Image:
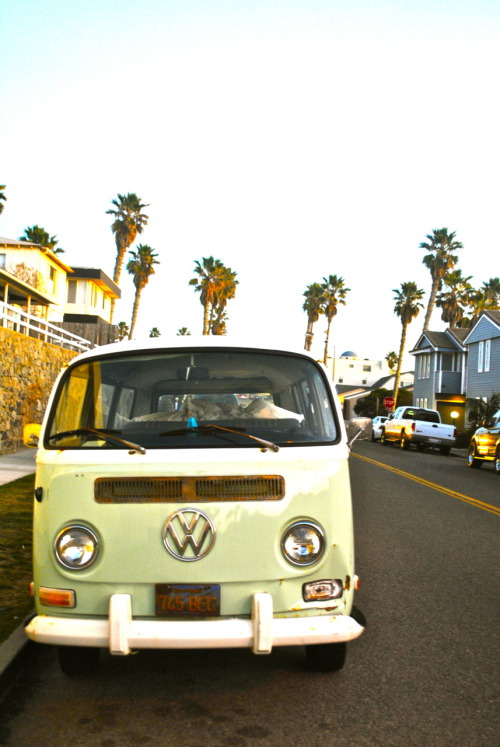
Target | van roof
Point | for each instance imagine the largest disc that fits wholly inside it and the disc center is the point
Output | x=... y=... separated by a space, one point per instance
x=184 y=342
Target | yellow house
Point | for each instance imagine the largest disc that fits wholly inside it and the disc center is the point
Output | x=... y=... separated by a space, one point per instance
x=39 y=268
x=77 y=299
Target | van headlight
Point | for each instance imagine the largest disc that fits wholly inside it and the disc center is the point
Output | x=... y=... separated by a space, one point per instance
x=303 y=543
x=76 y=547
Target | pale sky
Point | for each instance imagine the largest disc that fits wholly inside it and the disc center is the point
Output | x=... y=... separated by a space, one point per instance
x=291 y=139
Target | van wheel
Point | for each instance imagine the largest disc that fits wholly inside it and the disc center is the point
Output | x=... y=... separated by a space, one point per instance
x=472 y=460
x=76 y=660
x=496 y=463
x=326 y=657
x=404 y=443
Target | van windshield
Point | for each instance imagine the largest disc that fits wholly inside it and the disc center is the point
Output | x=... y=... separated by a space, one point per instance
x=167 y=399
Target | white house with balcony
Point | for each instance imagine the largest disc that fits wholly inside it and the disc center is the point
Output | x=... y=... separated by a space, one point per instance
x=36 y=285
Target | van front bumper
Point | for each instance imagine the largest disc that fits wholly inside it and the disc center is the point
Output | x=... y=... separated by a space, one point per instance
x=122 y=634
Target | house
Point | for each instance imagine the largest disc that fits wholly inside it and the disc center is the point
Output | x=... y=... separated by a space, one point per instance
x=483 y=360
x=87 y=311
x=440 y=373
x=350 y=369
x=36 y=281
x=40 y=269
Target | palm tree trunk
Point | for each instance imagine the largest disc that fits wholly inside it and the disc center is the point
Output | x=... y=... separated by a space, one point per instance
x=327 y=341
x=431 y=304
x=206 y=317
x=135 y=311
x=309 y=336
x=400 y=363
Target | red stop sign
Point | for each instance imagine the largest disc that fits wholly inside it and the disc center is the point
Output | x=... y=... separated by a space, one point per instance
x=388 y=402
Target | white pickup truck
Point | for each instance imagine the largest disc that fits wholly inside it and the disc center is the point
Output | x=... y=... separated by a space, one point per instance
x=419 y=426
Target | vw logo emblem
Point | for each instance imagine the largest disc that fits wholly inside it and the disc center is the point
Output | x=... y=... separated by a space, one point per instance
x=188 y=534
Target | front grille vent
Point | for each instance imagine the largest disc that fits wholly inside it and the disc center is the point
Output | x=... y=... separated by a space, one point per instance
x=190 y=489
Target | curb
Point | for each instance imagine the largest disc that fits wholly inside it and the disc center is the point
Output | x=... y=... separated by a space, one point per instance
x=13 y=653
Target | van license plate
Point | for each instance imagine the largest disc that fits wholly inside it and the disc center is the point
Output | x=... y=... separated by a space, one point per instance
x=187 y=600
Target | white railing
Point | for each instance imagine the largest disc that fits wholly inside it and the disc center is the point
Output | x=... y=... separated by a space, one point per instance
x=14 y=318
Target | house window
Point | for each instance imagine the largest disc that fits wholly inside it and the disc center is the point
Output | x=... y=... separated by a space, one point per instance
x=3 y=258
x=52 y=280
x=367 y=368
x=425 y=366
x=77 y=291
x=480 y=357
x=487 y=354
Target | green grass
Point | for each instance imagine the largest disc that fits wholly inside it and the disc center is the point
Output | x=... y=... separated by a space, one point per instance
x=16 y=517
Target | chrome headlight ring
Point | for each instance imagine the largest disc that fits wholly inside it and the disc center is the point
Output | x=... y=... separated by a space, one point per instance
x=76 y=547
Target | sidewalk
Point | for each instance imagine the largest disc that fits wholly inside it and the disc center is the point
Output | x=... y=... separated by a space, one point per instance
x=16 y=465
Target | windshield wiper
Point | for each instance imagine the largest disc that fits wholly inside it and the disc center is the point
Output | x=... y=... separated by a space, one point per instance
x=102 y=435
x=215 y=428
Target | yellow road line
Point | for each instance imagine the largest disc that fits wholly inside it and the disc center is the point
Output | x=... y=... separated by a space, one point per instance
x=453 y=493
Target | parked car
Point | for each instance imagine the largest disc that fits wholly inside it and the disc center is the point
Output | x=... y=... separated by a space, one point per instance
x=377 y=423
x=485 y=444
x=419 y=426
x=181 y=518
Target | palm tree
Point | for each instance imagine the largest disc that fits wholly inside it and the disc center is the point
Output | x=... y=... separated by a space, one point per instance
x=225 y=291
x=216 y=285
x=129 y=221
x=454 y=298
x=334 y=293
x=206 y=284
x=141 y=266
x=314 y=306
x=183 y=331
x=155 y=332
x=2 y=197
x=486 y=298
x=440 y=260
x=38 y=235
x=407 y=307
x=392 y=360
x=480 y=410
x=123 y=329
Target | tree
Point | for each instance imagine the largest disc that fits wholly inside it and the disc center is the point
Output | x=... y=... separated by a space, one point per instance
x=440 y=260
x=480 y=410
x=123 y=330
x=141 y=267
x=155 y=332
x=407 y=307
x=216 y=285
x=183 y=331
x=486 y=298
x=454 y=298
x=38 y=235
x=129 y=221
x=392 y=360
x=225 y=291
x=372 y=404
x=3 y=198
x=334 y=294
x=314 y=306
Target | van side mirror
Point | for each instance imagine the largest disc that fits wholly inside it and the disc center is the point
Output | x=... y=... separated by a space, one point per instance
x=31 y=434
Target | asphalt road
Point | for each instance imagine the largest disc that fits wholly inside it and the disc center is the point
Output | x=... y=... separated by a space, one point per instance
x=425 y=672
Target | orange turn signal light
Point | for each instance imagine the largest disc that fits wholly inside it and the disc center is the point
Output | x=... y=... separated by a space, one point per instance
x=56 y=597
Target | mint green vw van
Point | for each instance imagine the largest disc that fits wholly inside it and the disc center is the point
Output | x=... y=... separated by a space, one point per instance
x=193 y=495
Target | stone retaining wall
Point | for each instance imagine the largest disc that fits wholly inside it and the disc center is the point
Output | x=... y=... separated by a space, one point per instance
x=28 y=369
